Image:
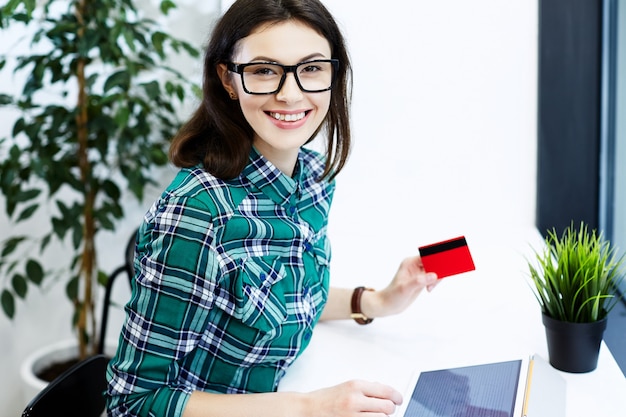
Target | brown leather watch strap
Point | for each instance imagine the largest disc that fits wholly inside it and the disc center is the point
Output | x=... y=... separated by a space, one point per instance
x=357 y=314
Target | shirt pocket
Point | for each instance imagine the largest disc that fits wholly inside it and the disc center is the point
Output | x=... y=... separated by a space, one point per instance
x=317 y=284
x=260 y=300
x=322 y=255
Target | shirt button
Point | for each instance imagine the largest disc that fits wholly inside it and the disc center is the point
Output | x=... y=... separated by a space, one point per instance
x=307 y=246
x=292 y=209
x=307 y=336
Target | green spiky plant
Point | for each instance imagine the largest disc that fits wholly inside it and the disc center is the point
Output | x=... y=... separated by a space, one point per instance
x=575 y=275
x=96 y=110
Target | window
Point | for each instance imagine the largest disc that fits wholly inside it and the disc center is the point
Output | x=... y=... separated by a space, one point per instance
x=613 y=126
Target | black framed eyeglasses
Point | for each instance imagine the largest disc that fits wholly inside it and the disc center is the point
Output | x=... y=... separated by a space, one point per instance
x=313 y=76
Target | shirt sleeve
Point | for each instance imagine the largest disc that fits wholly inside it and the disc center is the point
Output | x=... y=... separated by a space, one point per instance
x=172 y=294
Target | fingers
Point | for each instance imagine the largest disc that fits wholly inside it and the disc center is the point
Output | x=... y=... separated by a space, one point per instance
x=430 y=281
x=415 y=267
x=430 y=278
x=381 y=391
x=357 y=398
x=377 y=398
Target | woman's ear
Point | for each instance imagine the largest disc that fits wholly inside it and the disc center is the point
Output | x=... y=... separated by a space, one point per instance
x=227 y=80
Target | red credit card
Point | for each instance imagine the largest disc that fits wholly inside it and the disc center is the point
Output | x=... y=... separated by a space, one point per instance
x=446 y=258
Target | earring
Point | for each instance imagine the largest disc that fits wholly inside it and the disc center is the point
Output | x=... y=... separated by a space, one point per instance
x=232 y=95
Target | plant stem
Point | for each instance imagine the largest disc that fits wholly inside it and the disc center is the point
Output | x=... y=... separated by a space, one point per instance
x=87 y=263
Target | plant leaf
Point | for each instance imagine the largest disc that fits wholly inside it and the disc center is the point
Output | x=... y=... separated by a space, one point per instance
x=11 y=244
x=5 y=99
x=20 y=286
x=119 y=79
x=167 y=5
x=27 y=212
x=102 y=278
x=72 y=288
x=8 y=303
x=34 y=272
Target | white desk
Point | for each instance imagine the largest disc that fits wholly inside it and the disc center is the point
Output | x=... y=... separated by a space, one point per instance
x=479 y=317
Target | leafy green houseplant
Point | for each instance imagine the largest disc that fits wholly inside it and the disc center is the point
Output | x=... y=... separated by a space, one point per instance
x=576 y=275
x=574 y=278
x=97 y=107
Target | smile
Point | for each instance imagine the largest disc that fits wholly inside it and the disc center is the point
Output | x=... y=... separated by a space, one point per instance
x=288 y=117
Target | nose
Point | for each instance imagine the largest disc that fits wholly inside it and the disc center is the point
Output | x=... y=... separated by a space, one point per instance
x=290 y=91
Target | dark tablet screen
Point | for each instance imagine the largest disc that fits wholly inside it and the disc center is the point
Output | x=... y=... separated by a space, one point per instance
x=486 y=390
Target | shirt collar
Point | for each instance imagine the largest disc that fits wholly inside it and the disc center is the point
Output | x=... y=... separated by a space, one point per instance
x=270 y=180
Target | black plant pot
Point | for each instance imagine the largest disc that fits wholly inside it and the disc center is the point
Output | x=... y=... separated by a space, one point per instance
x=574 y=347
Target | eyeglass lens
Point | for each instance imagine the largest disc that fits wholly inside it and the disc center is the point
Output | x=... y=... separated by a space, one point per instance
x=266 y=77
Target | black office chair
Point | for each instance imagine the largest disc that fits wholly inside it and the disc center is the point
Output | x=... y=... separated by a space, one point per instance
x=79 y=391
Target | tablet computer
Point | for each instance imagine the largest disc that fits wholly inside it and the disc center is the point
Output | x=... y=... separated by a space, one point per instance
x=485 y=390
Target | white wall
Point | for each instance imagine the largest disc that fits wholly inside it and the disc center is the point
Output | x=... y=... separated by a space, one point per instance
x=445 y=127
x=444 y=118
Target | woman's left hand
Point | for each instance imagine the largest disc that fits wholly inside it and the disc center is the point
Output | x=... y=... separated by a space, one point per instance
x=406 y=285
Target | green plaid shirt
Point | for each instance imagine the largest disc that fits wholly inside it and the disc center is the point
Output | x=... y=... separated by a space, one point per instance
x=231 y=277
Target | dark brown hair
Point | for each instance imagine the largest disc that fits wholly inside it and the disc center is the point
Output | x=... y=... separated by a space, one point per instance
x=218 y=135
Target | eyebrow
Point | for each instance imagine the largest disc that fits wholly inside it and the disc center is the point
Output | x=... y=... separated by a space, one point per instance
x=304 y=59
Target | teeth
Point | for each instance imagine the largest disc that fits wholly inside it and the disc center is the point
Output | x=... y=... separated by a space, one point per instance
x=288 y=117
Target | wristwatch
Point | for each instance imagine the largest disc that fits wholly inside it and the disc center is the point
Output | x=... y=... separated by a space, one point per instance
x=357 y=314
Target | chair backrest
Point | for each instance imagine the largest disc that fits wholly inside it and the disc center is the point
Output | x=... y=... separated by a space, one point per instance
x=78 y=392
x=126 y=268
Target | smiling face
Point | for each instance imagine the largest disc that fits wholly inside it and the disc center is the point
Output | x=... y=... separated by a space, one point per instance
x=284 y=121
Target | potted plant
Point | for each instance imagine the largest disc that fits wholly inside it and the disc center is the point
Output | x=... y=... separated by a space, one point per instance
x=96 y=110
x=574 y=278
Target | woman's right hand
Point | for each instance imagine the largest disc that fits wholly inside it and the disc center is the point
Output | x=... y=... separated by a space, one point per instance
x=349 y=399
x=354 y=398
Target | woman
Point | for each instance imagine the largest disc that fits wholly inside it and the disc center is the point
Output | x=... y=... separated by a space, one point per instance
x=232 y=262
